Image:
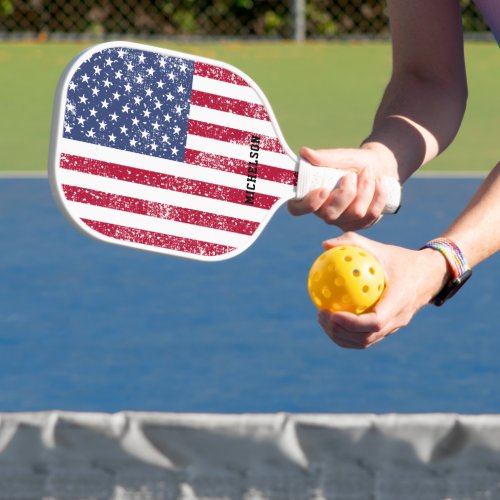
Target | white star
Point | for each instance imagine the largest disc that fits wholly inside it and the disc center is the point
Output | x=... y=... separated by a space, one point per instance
x=114 y=117
x=149 y=92
x=85 y=78
x=147 y=113
x=102 y=125
x=80 y=120
x=154 y=147
x=68 y=128
x=130 y=66
x=171 y=76
x=112 y=138
x=83 y=99
x=142 y=58
x=109 y=62
x=128 y=87
x=97 y=70
x=156 y=126
x=125 y=108
x=91 y=133
x=95 y=91
x=165 y=138
x=121 y=53
x=144 y=134
x=139 y=79
x=118 y=74
x=123 y=130
x=158 y=105
x=160 y=84
x=93 y=112
x=135 y=121
x=137 y=99
x=116 y=96
x=183 y=67
x=105 y=104
x=176 y=129
x=107 y=83
x=169 y=96
x=150 y=71
x=174 y=151
x=167 y=117
x=180 y=89
x=70 y=107
x=163 y=62
x=72 y=85
x=178 y=109
x=133 y=142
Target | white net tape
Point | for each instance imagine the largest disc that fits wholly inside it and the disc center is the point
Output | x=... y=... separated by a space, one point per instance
x=160 y=456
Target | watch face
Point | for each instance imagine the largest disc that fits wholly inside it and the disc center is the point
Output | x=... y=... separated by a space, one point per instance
x=451 y=288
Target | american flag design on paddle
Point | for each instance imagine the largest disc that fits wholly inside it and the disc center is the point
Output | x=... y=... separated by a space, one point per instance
x=166 y=153
x=173 y=153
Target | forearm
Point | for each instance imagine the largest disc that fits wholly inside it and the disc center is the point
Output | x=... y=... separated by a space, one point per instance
x=415 y=122
x=424 y=102
x=477 y=230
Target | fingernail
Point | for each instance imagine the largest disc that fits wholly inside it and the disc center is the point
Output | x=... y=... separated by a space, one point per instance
x=323 y=194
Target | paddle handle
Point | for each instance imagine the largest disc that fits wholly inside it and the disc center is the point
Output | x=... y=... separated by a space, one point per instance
x=312 y=177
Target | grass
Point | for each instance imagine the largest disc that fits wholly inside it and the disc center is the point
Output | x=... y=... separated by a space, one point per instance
x=324 y=95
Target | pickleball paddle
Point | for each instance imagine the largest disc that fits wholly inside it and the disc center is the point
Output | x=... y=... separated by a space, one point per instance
x=172 y=153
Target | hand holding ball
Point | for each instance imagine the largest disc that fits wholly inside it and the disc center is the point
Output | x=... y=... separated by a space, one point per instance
x=346 y=278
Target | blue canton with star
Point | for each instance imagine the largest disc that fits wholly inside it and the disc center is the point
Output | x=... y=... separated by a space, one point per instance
x=131 y=100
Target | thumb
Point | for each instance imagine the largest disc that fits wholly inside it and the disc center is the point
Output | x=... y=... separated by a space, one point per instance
x=353 y=159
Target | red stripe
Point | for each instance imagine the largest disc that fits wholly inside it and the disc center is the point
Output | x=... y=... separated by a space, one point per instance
x=159 y=210
x=229 y=105
x=240 y=167
x=163 y=181
x=233 y=135
x=157 y=240
x=218 y=73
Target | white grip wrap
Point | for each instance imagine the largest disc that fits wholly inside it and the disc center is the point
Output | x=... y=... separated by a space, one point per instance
x=312 y=177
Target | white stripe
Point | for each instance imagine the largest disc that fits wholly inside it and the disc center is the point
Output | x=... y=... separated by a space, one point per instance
x=226 y=89
x=240 y=152
x=232 y=120
x=194 y=172
x=159 y=195
x=162 y=226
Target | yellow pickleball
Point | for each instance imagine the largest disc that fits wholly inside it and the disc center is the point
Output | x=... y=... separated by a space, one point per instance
x=346 y=278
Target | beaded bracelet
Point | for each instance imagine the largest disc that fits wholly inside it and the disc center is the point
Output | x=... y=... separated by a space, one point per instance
x=460 y=269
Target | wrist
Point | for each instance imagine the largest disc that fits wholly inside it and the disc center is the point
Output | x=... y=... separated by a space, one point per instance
x=388 y=165
x=437 y=273
x=457 y=265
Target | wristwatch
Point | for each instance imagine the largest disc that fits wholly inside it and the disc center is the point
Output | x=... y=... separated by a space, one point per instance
x=459 y=267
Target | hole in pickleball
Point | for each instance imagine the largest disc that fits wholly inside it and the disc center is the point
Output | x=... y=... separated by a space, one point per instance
x=339 y=281
x=317 y=276
x=372 y=270
x=327 y=293
x=363 y=254
x=356 y=273
x=348 y=258
x=366 y=289
x=346 y=299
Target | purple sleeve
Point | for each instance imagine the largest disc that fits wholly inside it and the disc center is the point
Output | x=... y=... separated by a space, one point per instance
x=490 y=9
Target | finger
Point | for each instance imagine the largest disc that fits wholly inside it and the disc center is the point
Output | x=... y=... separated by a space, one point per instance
x=364 y=195
x=340 y=335
x=339 y=199
x=310 y=203
x=353 y=159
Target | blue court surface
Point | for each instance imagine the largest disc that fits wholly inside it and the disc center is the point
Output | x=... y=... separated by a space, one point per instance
x=87 y=326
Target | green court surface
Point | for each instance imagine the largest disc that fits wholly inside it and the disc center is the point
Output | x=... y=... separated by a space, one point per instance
x=324 y=95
